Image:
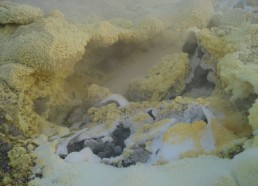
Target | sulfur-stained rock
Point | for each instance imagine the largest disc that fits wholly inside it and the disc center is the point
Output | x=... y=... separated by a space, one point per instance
x=55 y=50
x=93 y=95
x=21 y=162
x=19 y=158
x=108 y=114
x=163 y=81
x=49 y=48
x=235 y=53
x=53 y=71
x=13 y=74
x=246 y=72
x=210 y=42
x=14 y=13
x=37 y=57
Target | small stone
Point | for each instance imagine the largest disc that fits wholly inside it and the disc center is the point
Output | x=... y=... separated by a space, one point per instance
x=95 y=145
x=115 y=140
x=107 y=149
x=75 y=147
x=118 y=150
x=101 y=154
x=112 y=145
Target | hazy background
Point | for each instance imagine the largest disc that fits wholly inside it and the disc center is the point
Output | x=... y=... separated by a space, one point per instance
x=84 y=10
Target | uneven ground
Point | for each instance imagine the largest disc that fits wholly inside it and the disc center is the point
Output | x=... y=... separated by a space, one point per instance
x=117 y=92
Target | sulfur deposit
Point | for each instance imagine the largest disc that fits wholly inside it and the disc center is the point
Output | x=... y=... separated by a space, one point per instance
x=147 y=92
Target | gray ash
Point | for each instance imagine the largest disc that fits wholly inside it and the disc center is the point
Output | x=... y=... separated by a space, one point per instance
x=104 y=149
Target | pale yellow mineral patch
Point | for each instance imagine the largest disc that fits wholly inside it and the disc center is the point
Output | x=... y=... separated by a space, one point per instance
x=216 y=46
x=37 y=57
x=94 y=94
x=236 y=57
x=182 y=131
x=222 y=135
x=33 y=59
x=15 y=73
x=107 y=114
x=105 y=33
x=147 y=132
x=238 y=70
x=14 y=13
x=49 y=48
x=20 y=160
x=167 y=75
x=235 y=51
x=235 y=121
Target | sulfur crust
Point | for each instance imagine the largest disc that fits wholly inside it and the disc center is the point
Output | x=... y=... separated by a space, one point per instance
x=168 y=74
x=177 y=133
x=222 y=135
x=37 y=57
x=107 y=114
x=94 y=94
x=234 y=48
x=36 y=60
x=235 y=121
x=105 y=33
x=216 y=46
x=180 y=132
x=198 y=14
x=14 y=73
x=49 y=47
x=14 y=13
x=20 y=160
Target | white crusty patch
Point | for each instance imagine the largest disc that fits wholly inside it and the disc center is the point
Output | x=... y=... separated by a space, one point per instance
x=116 y=98
x=207 y=140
